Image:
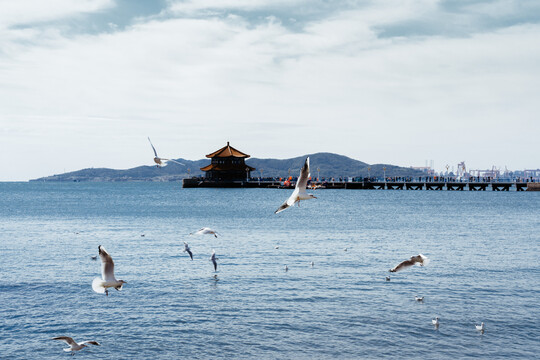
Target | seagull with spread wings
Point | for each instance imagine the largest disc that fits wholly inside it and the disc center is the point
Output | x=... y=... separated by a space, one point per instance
x=299 y=192
x=73 y=346
x=205 y=231
x=213 y=258
x=188 y=250
x=418 y=259
x=159 y=160
x=107 y=274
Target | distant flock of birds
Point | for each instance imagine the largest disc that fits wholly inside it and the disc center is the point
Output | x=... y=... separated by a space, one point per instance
x=108 y=279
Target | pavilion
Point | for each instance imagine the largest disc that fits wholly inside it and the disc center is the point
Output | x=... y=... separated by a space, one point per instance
x=227 y=164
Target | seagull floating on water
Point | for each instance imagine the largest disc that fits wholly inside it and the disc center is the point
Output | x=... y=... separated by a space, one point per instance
x=158 y=160
x=93 y=258
x=205 y=231
x=435 y=321
x=418 y=259
x=188 y=250
x=73 y=346
x=419 y=299
x=299 y=192
x=388 y=278
x=312 y=264
x=480 y=328
x=213 y=258
x=107 y=274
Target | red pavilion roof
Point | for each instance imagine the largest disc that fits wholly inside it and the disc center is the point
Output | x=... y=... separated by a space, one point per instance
x=227 y=151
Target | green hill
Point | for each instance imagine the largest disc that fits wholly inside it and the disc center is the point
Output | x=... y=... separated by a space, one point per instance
x=329 y=165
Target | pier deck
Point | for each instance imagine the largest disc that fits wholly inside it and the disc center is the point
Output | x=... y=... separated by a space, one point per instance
x=368 y=185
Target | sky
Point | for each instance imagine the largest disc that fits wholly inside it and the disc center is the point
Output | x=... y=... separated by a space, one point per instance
x=83 y=83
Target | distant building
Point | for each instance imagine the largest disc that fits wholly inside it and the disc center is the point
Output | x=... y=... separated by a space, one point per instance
x=227 y=164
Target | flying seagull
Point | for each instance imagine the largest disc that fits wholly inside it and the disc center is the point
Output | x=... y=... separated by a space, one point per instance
x=73 y=346
x=480 y=328
x=159 y=160
x=107 y=274
x=213 y=258
x=188 y=250
x=299 y=192
x=205 y=231
x=418 y=259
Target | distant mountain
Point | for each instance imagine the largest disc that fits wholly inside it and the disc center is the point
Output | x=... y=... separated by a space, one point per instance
x=330 y=165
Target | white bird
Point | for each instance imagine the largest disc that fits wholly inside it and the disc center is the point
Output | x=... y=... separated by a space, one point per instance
x=418 y=259
x=107 y=274
x=73 y=346
x=159 y=160
x=213 y=258
x=276 y=247
x=299 y=192
x=312 y=264
x=435 y=321
x=205 y=231
x=188 y=250
x=419 y=299
x=480 y=328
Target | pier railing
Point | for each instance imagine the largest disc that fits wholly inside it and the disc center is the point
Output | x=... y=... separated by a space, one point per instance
x=368 y=184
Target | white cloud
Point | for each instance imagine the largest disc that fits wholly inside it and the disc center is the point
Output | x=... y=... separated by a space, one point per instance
x=25 y=12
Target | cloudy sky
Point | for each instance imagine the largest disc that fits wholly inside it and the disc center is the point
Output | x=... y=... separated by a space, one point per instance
x=84 y=82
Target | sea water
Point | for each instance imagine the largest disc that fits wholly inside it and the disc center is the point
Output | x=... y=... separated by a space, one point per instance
x=484 y=249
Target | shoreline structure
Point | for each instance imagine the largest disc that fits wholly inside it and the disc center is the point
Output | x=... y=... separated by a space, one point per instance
x=368 y=185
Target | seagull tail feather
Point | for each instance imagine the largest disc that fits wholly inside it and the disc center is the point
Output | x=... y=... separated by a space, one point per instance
x=97 y=286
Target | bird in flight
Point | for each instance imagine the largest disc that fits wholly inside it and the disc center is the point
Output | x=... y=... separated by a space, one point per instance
x=205 y=231
x=188 y=250
x=213 y=258
x=159 y=160
x=418 y=259
x=107 y=274
x=73 y=346
x=299 y=192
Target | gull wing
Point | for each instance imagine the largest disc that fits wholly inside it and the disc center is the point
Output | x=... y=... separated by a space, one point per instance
x=66 y=339
x=304 y=176
x=153 y=148
x=107 y=264
x=90 y=342
x=289 y=202
x=174 y=161
x=403 y=265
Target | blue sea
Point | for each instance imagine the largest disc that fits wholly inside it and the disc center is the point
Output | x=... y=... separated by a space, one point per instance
x=484 y=249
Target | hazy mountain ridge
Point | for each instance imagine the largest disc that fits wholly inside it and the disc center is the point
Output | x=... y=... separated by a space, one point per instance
x=330 y=165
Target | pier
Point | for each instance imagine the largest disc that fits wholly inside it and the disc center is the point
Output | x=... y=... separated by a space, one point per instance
x=369 y=185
